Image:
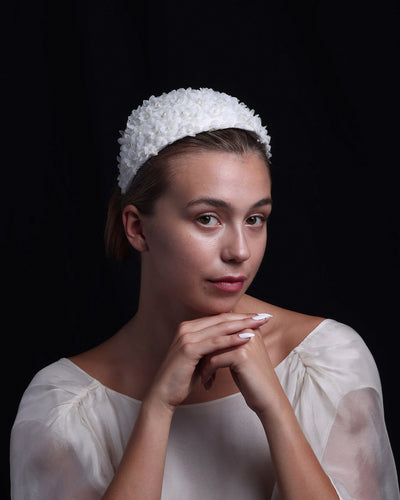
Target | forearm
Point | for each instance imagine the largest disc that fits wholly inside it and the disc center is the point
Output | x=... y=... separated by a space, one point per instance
x=140 y=473
x=299 y=473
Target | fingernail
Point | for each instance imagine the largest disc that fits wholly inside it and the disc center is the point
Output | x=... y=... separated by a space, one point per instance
x=246 y=335
x=261 y=316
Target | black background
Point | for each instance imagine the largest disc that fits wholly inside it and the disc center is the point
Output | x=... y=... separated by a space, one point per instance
x=322 y=75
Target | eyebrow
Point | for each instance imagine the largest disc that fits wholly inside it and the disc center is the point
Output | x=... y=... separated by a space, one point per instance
x=217 y=203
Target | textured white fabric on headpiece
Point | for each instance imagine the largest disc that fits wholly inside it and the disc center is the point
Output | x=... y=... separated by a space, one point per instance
x=162 y=120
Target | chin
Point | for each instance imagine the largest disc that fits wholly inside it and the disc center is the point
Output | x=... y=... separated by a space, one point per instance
x=215 y=306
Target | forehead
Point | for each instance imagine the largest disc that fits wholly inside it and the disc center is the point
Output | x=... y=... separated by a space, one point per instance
x=219 y=174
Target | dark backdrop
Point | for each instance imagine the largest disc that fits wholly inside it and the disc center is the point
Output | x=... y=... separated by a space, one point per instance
x=322 y=76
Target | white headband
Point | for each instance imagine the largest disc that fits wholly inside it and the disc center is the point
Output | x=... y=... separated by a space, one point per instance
x=162 y=120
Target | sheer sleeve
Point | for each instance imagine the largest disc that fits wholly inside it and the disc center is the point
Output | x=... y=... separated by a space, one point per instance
x=333 y=384
x=358 y=456
x=60 y=448
x=44 y=466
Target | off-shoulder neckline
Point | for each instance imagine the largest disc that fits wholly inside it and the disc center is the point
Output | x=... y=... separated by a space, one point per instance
x=304 y=341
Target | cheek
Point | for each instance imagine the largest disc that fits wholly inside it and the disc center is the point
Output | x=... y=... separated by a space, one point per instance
x=194 y=251
x=180 y=250
x=258 y=250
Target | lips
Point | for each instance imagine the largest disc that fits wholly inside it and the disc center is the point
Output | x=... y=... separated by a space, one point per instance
x=229 y=283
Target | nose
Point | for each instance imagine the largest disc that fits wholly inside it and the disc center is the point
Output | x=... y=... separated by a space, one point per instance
x=235 y=246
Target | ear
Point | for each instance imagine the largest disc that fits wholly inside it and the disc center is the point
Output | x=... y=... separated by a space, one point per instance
x=133 y=224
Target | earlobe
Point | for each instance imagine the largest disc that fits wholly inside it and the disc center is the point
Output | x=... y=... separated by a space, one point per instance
x=132 y=220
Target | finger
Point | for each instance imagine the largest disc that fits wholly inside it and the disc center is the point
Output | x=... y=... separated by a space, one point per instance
x=195 y=351
x=228 y=358
x=228 y=327
x=208 y=383
x=202 y=323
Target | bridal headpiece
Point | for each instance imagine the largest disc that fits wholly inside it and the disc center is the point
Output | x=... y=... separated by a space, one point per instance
x=162 y=120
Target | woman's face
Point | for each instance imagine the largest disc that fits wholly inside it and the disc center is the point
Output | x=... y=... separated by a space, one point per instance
x=207 y=236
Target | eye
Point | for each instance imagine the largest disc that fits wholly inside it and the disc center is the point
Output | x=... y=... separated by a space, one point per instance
x=256 y=220
x=207 y=220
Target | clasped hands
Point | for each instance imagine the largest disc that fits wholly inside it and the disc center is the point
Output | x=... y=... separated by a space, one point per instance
x=203 y=346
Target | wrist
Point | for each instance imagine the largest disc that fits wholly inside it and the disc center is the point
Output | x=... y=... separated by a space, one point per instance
x=153 y=405
x=274 y=408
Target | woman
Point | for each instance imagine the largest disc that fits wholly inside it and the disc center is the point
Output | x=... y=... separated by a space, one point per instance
x=206 y=392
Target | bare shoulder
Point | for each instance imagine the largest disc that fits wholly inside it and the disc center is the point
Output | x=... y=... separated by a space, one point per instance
x=96 y=362
x=103 y=363
x=285 y=330
x=117 y=364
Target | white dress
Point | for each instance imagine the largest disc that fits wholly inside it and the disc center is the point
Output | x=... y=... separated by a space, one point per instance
x=71 y=431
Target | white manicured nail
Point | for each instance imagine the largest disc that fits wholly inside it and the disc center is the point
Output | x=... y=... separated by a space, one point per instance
x=246 y=335
x=262 y=316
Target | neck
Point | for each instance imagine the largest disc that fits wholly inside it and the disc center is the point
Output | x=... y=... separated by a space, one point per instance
x=151 y=331
x=140 y=347
x=156 y=323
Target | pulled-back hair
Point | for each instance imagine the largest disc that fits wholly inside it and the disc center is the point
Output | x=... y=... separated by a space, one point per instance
x=151 y=180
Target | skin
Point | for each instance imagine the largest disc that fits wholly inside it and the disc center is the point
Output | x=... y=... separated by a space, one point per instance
x=183 y=345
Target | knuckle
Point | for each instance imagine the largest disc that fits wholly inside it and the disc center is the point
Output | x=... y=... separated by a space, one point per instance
x=187 y=349
x=212 y=363
x=184 y=327
x=242 y=355
x=217 y=342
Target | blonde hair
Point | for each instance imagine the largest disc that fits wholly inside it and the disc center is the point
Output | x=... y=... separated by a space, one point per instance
x=152 y=179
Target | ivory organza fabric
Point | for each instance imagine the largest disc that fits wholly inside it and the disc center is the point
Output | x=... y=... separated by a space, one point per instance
x=70 y=431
